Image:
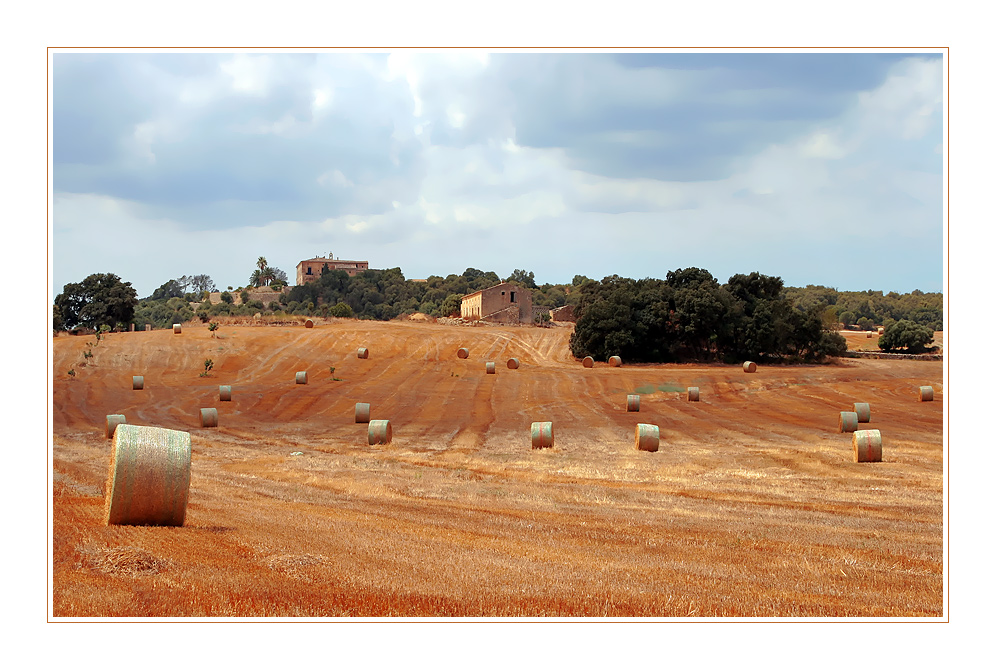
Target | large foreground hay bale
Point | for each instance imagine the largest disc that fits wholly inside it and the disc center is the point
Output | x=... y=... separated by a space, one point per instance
x=692 y=393
x=379 y=432
x=149 y=476
x=361 y=413
x=867 y=445
x=588 y=362
x=113 y=421
x=309 y=323
x=224 y=392
x=646 y=437
x=927 y=393
x=209 y=417
x=138 y=382
x=362 y=353
x=542 y=434
x=176 y=328
x=633 y=402
x=489 y=367
x=863 y=411
x=749 y=367
x=848 y=422
x=615 y=361
x=301 y=377
x=463 y=353
x=512 y=363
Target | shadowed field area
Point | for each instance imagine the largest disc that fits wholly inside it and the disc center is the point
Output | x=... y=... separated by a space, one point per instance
x=753 y=505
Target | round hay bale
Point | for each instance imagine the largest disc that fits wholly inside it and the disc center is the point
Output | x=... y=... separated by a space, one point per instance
x=209 y=417
x=749 y=367
x=176 y=328
x=489 y=367
x=848 y=422
x=148 y=327
x=542 y=435
x=361 y=413
x=869 y=334
x=138 y=382
x=927 y=394
x=309 y=323
x=301 y=377
x=881 y=330
x=646 y=437
x=149 y=476
x=224 y=392
x=692 y=393
x=863 y=411
x=633 y=403
x=867 y=445
x=588 y=362
x=362 y=353
x=512 y=363
x=615 y=361
x=379 y=432
x=463 y=353
x=112 y=423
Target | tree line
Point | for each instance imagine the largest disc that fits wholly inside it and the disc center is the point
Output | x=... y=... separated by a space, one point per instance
x=687 y=316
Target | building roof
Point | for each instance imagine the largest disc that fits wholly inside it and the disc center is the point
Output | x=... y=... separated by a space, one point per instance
x=321 y=259
x=500 y=284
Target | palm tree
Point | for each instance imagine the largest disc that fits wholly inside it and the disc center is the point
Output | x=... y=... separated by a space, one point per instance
x=267 y=276
x=254 y=279
x=261 y=263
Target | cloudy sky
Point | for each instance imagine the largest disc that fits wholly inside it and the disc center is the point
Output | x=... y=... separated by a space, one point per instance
x=821 y=168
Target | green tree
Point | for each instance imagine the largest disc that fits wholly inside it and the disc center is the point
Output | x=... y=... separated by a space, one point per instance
x=522 y=278
x=255 y=279
x=98 y=299
x=907 y=335
x=341 y=310
x=227 y=297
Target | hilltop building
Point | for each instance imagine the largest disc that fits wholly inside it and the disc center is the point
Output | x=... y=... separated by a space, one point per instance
x=504 y=303
x=310 y=270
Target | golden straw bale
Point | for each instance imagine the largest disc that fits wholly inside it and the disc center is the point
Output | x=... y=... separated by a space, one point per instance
x=138 y=382
x=512 y=363
x=176 y=328
x=149 y=476
x=633 y=403
x=112 y=423
x=867 y=445
x=750 y=366
x=224 y=392
x=489 y=367
x=615 y=361
x=209 y=417
x=301 y=377
x=692 y=393
x=362 y=353
x=863 y=411
x=379 y=432
x=361 y=413
x=927 y=393
x=542 y=434
x=588 y=362
x=848 y=422
x=646 y=437
x=309 y=323
x=463 y=353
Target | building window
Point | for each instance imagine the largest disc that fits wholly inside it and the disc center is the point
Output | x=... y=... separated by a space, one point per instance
x=309 y=271
x=512 y=296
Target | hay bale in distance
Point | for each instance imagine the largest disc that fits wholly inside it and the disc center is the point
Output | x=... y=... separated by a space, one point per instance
x=633 y=403
x=749 y=367
x=588 y=362
x=615 y=361
x=867 y=445
x=149 y=476
x=112 y=423
x=869 y=334
x=176 y=328
x=863 y=411
x=646 y=437
x=224 y=392
x=309 y=323
x=881 y=330
x=927 y=394
x=138 y=382
x=379 y=432
x=542 y=435
x=361 y=413
x=463 y=353
x=489 y=367
x=362 y=353
x=692 y=393
x=848 y=422
x=301 y=377
x=209 y=417
x=148 y=327
x=512 y=363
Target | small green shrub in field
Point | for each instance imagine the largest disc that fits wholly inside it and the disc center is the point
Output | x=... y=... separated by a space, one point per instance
x=208 y=365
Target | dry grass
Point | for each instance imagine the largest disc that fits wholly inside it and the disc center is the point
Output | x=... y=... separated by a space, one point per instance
x=751 y=507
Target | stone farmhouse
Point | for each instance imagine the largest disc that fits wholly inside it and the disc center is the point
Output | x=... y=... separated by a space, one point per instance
x=310 y=270
x=504 y=303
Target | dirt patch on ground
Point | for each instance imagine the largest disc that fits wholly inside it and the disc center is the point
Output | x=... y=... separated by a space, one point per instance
x=753 y=505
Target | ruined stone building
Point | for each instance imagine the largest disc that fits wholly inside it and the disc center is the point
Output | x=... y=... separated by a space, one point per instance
x=504 y=303
x=311 y=269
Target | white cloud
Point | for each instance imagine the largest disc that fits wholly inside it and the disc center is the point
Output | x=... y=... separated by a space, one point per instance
x=248 y=73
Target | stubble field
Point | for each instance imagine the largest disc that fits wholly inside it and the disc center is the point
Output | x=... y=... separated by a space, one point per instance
x=752 y=507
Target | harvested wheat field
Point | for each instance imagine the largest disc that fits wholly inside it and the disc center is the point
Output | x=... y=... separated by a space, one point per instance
x=753 y=505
